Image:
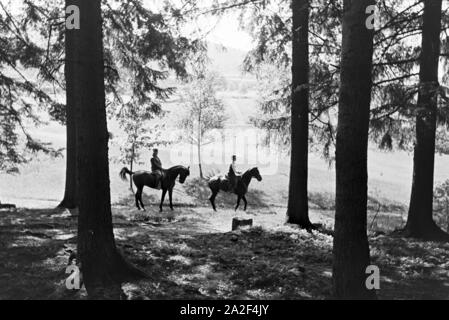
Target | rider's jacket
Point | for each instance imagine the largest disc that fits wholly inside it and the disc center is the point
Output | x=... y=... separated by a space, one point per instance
x=156 y=164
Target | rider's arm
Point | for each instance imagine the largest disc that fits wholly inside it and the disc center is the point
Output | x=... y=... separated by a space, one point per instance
x=234 y=169
x=155 y=164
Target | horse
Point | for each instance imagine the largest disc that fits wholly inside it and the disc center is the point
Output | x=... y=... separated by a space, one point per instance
x=145 y=178
x=218 y=183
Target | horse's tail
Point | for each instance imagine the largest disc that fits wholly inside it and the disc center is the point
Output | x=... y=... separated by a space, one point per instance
x=124 y=172
x=211 y=175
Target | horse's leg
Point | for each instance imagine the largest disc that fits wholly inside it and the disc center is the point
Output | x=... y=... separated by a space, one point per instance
x=137 y=200
x=170 y=194
x=238 y=202
x=164 y=191
x=212 y=199
x=246 y=202
x=140 y=199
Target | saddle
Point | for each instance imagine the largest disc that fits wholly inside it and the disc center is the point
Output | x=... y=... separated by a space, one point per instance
x=226 y=183
x=159 y=174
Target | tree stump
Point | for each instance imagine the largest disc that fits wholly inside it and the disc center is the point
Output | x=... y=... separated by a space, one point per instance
x=7 y=206
x=238 y=223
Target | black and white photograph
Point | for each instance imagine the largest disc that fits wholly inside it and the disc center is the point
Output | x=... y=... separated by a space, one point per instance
x=225 y=155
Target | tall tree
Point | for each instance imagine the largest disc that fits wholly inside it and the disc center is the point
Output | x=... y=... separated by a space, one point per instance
x=70 y=199
x=351 y=248
x=298 y=202
x=271 y=28
x=102 y=266
x=420 y=222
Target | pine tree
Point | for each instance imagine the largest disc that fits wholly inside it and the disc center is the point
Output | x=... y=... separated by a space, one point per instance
x=18 y=51
x=298 y=201
x=420 y=223
x=102 y=266
x=351 y=249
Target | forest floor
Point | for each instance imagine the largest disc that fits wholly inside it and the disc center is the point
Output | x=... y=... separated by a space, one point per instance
x=191 y=253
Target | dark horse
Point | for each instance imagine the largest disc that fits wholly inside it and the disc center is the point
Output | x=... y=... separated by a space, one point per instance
x=218 y=183
x=145 y=178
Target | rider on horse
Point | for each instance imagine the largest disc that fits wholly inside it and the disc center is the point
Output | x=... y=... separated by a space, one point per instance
x=156 y=168
x=233 y=174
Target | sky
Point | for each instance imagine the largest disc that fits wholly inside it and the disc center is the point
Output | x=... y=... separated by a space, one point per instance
x=224 y=31
x=227 y=32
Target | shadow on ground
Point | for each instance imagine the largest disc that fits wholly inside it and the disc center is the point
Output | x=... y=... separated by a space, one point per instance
x=411 y=269
x=251 y=264
x=35 y=246
x=186 y=259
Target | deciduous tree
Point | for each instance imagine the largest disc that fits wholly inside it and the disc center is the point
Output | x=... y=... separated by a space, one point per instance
x=204 y=110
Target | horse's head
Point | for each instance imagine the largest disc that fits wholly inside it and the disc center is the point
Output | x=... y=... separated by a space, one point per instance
x=183 y=174
x=256 y=174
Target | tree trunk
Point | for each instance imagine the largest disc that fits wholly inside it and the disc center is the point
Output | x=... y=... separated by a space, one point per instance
x=131 y=179
x=199 y=145
x=351 y=248
x=7 y=206
x=199 y=162
x=131 y=165
x=70 y=194
x=420 y=223
x=102 y=266
x=447 y=215
x=298 y=205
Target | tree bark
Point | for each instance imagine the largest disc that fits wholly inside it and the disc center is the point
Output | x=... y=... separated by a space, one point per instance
x=447 y=215
x=131 y=165
x=351 y=248
x=102 y=266
x=420 y=223
x=298 y=205
x=199 y=162
x=199 y=144
x=70 y=194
